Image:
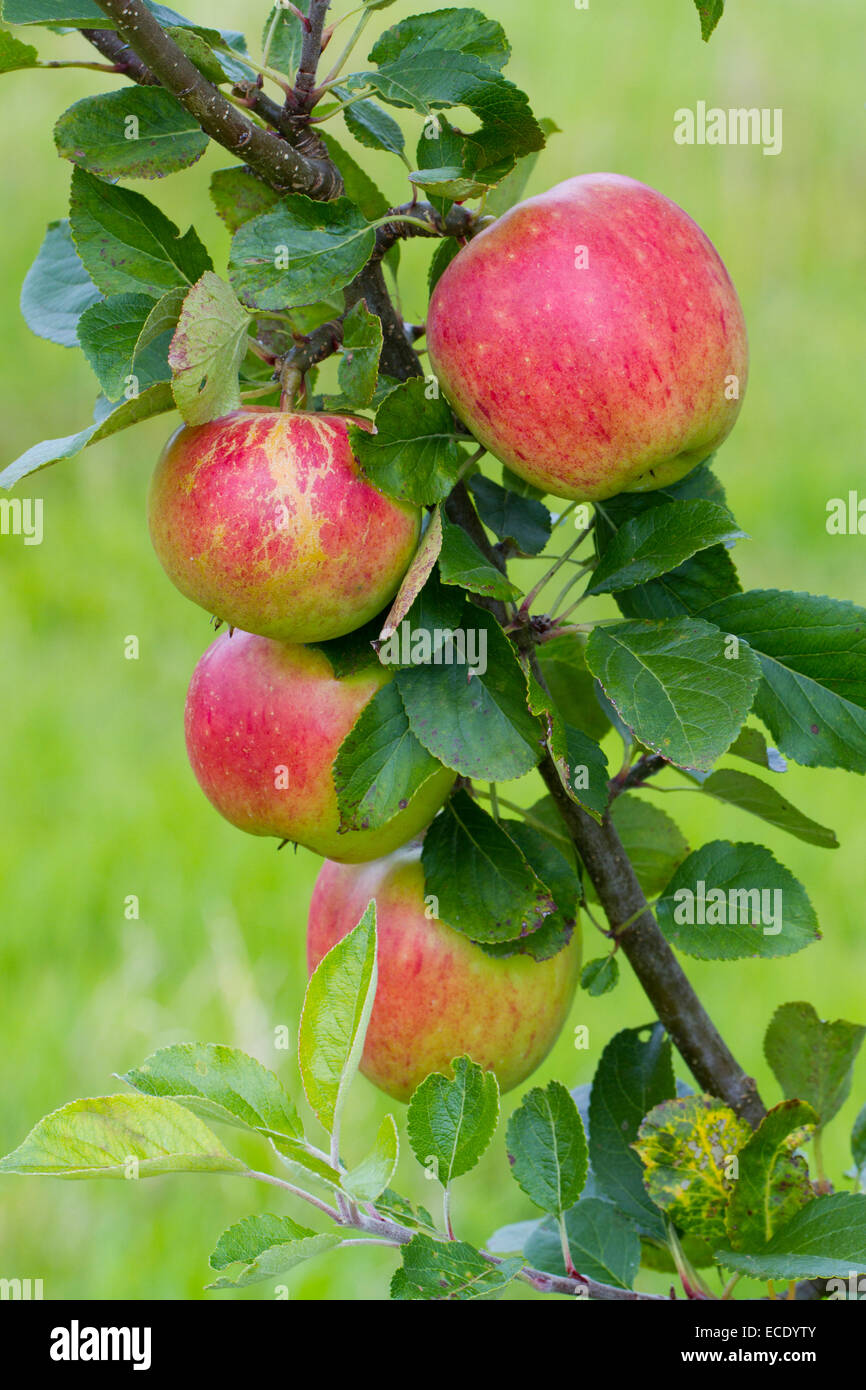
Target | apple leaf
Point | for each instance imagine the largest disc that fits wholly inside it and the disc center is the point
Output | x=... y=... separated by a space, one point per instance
x=468 y=708
x=812 y=653
x=362 y=347
x=127 y=245
x=208 y=346
x=57 y=289
x=734 y=901
x=301 y=252
x=371 y=126
x=415 y=578
x=710 y=12
x=266 y=1245
x=239 y=195
x=522 y=521
x=218 y=1083
x=380 y=764
x=547 y=1148
x=462 y=31
x=437 y=1269
x=415 y=454
x=653 y=842
x=563 y=665
x=135 y=132
x=451 y=1120
x=826 y=1239
x=600 y=976
x=461 y=563
x=484 y=885
x=336 y=1012
x=283 y=36
x=811 y=1059
x=109 y=333
x=602 y=1241
x=15 y=55
x=74 y=13
x=685 y=1146
x=369 y=1179
x=677 y=685
x=153 y=401
x=120 y=1137
x=557 y=872
x=772 y=1181
x=752 y=747
x=513 y=187
x=359 y=187
x=751 y=794
x=635 y=1074
x=660 y=539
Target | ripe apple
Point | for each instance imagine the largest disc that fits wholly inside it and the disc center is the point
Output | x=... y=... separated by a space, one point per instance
x=264 y=721
x=264 y=518
x=439 y=995
x=592 y=339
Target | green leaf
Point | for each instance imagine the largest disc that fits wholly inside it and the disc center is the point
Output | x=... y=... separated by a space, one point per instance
x=239 y=195
x=733 y=901
x=751 y=794
x=109 y=332
x=461 y=563
x=751 y=746
x=523 y=521
x=469 y=707
x=513 y=187
x=600 y=976
x=359 y=187
x=710 y=12
x=675 y=685
x=858 y=1141
x=634 y=1074
x=154 y=401
x=266 y=1245
x=653 y=842
x=120 y=1137
x=826 y=1239
x=602 y=1242
x=94 y=133
x=371 y=126
x=369 y=1179
x=301 y=252
x=437 y=1269
x=57 y=289
x=218 y=1083
x=563 y=665
x=772 y=1181
x=14 y=54
x=659 y=540
x=811 y=1059
x=485 y=886
x=362 y=348
x=813 y=659
x=556 y=871
x=206 y=351
x=458 y=30
x=337 y=1008
x=380 y=764
x=127 y=244
x=547 y=1148
x=75 y=13
x=686 y=1146
x=415 y=453
x=445 y=252
x=449 y=182
x=452 y=1119
x=286 y=34
x=162 y=318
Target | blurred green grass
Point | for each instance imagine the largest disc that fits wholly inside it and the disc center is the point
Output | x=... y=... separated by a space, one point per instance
x=99 y=800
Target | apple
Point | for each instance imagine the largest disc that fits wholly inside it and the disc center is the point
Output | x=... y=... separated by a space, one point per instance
x=264 y=721
x=439 y=995
x=264 y=519
x=592 y=340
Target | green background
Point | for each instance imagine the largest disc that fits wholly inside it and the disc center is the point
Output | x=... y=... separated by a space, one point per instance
x=99 y=800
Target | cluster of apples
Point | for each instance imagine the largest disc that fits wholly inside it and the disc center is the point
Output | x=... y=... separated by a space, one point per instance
x=585 y=339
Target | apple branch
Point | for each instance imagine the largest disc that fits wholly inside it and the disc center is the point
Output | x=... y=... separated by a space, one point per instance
x=311 y=52
x=277 y=160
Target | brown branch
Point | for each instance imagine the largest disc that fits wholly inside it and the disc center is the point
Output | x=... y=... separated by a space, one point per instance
x=284 y=167
x=311 y=52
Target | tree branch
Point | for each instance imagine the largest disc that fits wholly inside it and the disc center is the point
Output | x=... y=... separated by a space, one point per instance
x=279 y=162
x=311 y=52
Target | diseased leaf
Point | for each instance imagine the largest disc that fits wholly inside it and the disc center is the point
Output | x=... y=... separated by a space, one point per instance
x=827 y=1238
x=207 y=349
x=239 y=195
x=772 y=1181
x=135 y=132
x=414 y=580
x=686 y=1146
x=437 y=1269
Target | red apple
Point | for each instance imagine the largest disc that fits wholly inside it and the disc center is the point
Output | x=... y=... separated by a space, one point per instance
x=439 y=995
x=592 y=339
x=264 y=721
x=264 y=519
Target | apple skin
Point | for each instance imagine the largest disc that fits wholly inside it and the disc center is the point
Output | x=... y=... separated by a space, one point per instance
x=264 y=519
x=590 y=382
x=439 y=996
x=255 y=707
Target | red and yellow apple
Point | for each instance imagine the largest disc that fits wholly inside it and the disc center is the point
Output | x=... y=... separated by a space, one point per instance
x=439 y=995
x=264 y=519
x=264 y=721
x=592 y=340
